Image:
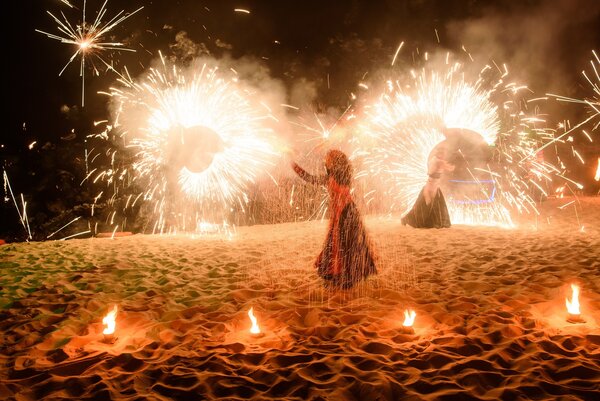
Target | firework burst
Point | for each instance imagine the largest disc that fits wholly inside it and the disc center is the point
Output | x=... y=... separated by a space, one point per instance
x=197 y=140
x=88 y=38
x=486 y=116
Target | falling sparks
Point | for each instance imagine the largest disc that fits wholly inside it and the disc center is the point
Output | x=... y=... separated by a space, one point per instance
x=88 y=38
x=21 y=211
x=409 y=318
x=110 y=321
x=254 y=329
x=397 y=52
x=500 y=165
x=406 y=122
x=592 y=103
x=597 y=176
x=241 y=10
x=198 y=140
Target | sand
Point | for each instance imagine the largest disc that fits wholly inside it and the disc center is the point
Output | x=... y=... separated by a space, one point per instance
x=490 y=302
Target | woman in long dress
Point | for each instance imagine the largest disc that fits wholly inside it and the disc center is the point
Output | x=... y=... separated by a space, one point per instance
x=346 y=257
x=430 y=210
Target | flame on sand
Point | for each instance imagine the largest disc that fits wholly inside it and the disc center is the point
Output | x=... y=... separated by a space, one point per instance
x=109 y=321
x=573 y=305
x=409 y=317
x=254 y=329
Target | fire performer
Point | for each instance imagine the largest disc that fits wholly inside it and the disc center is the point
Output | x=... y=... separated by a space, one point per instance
x=430 y=210
x=346 y=257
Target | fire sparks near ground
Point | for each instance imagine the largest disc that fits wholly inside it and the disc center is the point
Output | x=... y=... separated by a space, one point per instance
x=494 y=146
x=88 y=38
x=198 y=139
x=110 y=321
x=254 y=329
x=409 y=318
x=573 y=304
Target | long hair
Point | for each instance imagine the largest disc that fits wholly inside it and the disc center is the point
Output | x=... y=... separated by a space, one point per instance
x=338 y=166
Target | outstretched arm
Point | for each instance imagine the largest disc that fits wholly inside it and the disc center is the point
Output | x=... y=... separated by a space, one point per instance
x=312 y=179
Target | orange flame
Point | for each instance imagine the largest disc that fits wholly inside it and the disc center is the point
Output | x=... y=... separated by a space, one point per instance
x=109 y=321
x=255 y=329
x=409 y=317
x=597 y=177
x=573 y=305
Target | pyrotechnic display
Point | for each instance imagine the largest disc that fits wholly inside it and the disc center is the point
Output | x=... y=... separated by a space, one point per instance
x=302 y=201
x=197 y=138
x=88 y=38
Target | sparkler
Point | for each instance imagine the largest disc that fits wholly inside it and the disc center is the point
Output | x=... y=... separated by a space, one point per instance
x=88 y=38
x=198 y=140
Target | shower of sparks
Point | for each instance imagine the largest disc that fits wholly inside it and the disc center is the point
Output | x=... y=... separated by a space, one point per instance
x=22 y=212
x=88 y=39
x=197 y=140
x=593 y=103
x=408 y=119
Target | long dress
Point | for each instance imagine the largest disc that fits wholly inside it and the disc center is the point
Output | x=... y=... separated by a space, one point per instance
x=430 y=210
x=346 y=257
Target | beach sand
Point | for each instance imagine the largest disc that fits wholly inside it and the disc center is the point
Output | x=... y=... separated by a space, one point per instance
x=490 y=303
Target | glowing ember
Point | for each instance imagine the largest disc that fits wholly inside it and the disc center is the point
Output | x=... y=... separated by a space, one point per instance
x=409 y=317
x=573 y=305
x=254 y=329
x=597 y=177
x=109 y=321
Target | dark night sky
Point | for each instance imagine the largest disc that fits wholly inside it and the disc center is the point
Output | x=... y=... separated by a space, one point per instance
x=546 y=43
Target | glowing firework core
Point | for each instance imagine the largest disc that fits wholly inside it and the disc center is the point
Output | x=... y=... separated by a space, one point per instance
x=85 y=44
x=573 y=305
x=409 y=317
x=109 y=321
x=196 y=133
x=254 y=329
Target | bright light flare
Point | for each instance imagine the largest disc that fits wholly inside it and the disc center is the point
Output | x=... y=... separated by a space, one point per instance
x=198 y=139
x=417 y=111
x=110 y=321
x=573 y=304
x=254 y=329
x=409 y=317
